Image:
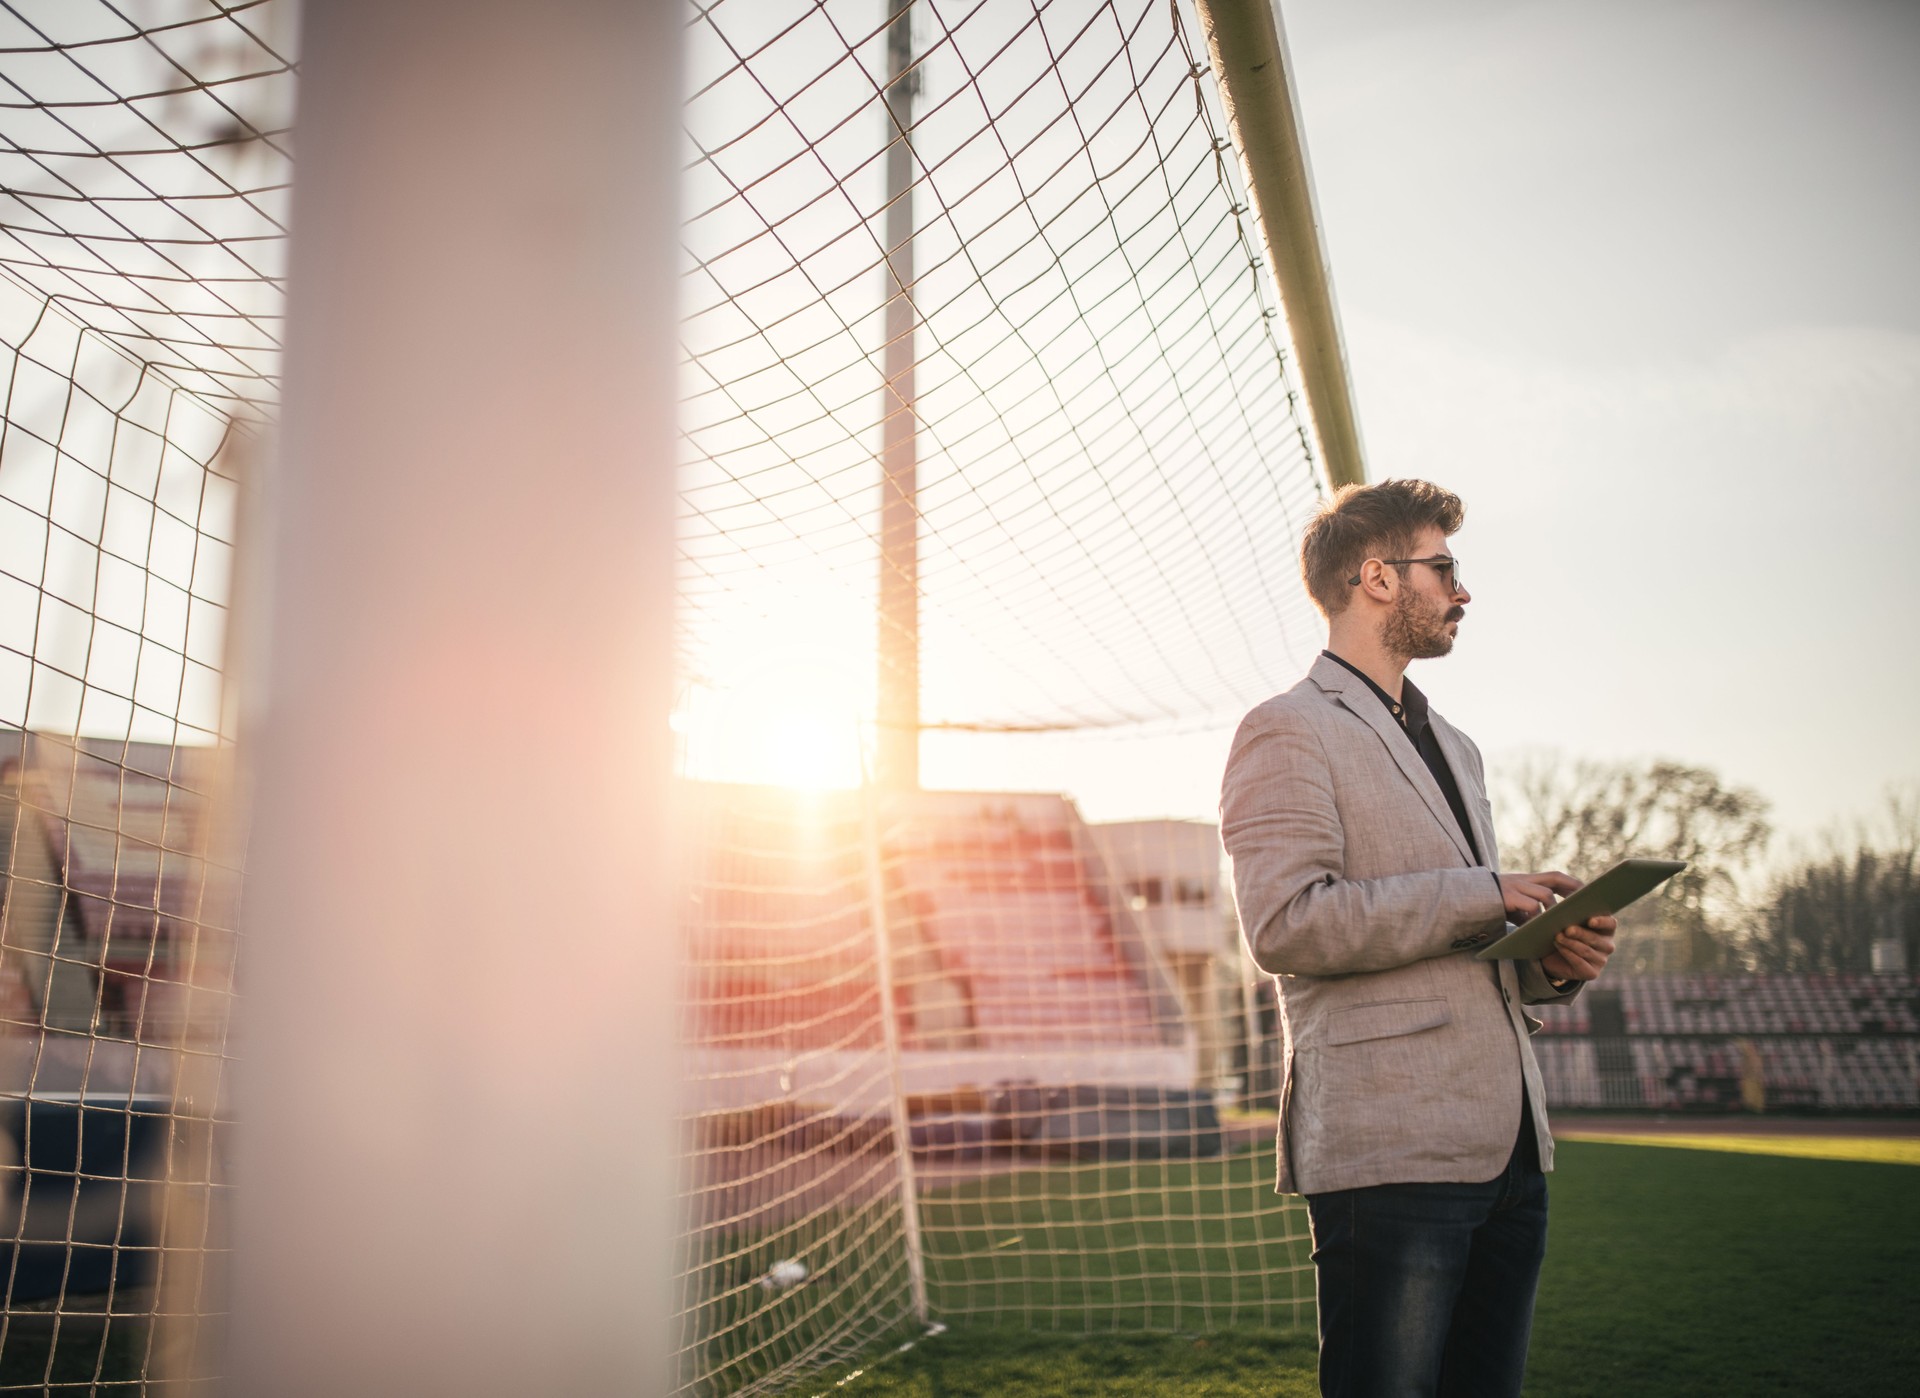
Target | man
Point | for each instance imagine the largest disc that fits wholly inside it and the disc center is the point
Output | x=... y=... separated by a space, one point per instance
x=1412 y=1112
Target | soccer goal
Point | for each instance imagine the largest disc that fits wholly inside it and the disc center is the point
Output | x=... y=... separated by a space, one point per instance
x=994 y=442
x=994 y=457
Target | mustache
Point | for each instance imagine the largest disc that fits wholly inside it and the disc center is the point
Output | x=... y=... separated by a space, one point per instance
x=1454 y=613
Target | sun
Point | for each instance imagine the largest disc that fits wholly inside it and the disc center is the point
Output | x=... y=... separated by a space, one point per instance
x=783 y=722
x=795 y=741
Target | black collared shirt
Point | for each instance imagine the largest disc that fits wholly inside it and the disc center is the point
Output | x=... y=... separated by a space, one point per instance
x=1415 y=721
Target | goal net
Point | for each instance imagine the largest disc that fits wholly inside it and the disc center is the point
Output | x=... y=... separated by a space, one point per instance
x=982 y=1052
x=141 y=223
x=116 y=528
x=977 y=1052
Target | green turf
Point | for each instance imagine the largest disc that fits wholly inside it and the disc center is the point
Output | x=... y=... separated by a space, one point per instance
x=989 y=1363
x=1201 y=1247
x=1682 y=1272
x=1669 y=1272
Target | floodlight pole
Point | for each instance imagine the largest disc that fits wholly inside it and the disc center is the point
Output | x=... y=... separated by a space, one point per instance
x=897 y=760
x=457 y=1097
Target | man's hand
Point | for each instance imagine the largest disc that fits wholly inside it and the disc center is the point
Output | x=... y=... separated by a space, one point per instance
x=1529 y=895
x=1580 y=952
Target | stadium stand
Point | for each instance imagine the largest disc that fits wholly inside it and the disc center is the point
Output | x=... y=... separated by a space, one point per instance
x=777 y=924
x=1725 y=1004
x=107 y=882
x=1571 y=1070
x=1725 y=1042
x=1033 y=1017
x=1012 y=898
x=105 y=893
x=1010 y=945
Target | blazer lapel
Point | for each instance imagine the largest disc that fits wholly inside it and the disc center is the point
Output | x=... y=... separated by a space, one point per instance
x=1352 y=694
x=1472 y=792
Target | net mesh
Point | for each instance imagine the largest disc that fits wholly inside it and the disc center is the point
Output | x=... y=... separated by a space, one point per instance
x=146 y=172
x=999 y=1027
x=795 y=1251
x=1109 y=447
x=116 y=533
x=953 y=1060
x=142 y=170
x=964 y=1046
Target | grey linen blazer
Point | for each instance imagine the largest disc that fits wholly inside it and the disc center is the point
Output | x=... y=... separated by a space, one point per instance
x=1402 y=1056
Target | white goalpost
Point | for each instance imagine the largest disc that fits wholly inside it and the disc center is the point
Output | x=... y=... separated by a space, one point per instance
x=455 y=1101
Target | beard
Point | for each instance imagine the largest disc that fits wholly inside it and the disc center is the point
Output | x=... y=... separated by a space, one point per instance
x=1417 y=629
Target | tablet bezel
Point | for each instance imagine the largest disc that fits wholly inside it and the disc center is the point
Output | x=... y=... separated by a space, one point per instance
x=1618 y=888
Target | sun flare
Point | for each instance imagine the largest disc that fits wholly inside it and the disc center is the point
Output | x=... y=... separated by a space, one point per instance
x=793 y=724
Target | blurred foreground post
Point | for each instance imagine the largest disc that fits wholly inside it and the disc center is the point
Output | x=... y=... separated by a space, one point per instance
x=454 y=1156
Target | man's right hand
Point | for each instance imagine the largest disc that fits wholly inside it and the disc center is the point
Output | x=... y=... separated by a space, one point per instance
x=1529 y=895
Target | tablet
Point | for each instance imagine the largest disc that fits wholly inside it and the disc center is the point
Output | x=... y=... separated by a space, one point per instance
x=1622 y=884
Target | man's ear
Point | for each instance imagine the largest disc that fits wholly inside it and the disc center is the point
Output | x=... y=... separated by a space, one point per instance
x=1373 y=580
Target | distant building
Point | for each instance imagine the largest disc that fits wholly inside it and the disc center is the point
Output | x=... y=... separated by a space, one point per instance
x=1172 y=876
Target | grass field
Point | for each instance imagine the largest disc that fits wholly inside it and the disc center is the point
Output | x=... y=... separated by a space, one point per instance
x=1670 y=1271
x=1199 y=1247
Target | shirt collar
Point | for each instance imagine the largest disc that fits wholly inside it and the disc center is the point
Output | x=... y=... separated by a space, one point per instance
x=1410 y=708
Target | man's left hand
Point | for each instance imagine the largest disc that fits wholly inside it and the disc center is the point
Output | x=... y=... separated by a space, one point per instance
x=1580 y=952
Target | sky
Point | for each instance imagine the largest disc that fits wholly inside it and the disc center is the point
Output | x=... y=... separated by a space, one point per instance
x=1638 y=281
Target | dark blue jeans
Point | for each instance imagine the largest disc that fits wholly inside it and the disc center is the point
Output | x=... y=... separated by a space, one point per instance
x=1428 y=1288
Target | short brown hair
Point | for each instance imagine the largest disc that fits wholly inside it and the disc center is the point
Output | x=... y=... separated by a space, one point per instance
x=1369 y=521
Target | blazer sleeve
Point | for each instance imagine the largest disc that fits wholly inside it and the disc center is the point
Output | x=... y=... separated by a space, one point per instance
x=1536 y=987
x=1300 y=913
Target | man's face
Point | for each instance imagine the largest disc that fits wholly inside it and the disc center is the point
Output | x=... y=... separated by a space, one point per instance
x=1426 y=610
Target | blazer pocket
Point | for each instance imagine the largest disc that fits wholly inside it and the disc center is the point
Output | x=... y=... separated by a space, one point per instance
x=1385 y=1019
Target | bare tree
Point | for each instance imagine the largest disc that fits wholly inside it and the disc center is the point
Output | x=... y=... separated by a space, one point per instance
x=1826 y=910
x=1584 y=815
